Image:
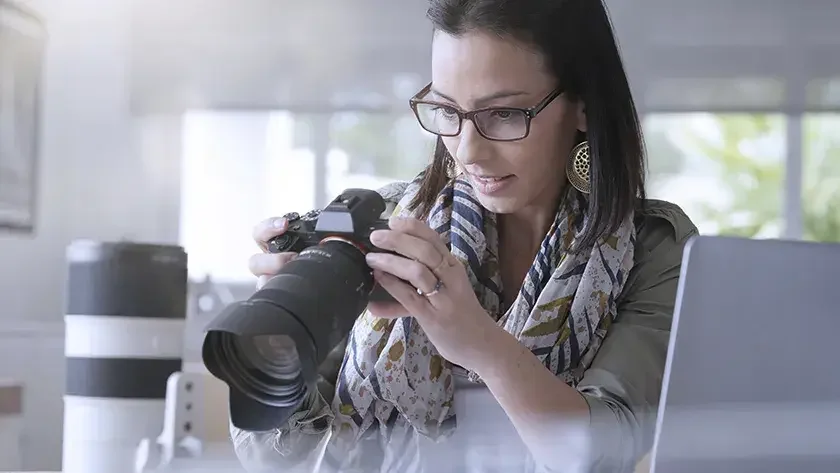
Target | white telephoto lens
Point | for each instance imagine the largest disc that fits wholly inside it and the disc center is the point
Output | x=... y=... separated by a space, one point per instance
x=124 y=313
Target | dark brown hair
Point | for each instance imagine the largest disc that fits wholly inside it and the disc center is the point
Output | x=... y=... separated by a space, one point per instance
x=576 y=38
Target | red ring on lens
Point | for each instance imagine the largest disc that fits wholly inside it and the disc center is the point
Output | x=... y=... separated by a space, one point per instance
x=342 y=239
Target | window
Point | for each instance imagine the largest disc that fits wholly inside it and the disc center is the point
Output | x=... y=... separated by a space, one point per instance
x=370 y=150
x=238 y=169
x=821 y=178
x=242 y=167
x=725 y=170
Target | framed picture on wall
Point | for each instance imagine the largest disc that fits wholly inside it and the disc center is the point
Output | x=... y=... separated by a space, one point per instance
x=22 y=40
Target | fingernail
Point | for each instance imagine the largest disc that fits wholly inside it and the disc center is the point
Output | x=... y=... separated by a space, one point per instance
x=279 y=223
x=372 y=258
x=376 y=237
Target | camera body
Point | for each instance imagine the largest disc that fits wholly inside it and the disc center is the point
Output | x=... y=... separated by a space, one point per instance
x=350 y=218
x=268 y=348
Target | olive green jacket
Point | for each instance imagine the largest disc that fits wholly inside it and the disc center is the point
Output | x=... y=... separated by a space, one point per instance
x=622 y=386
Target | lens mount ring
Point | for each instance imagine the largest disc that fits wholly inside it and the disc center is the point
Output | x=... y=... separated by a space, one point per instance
x=343 y=240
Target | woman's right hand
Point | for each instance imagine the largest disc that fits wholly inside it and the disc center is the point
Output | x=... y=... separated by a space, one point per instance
x=264 y=265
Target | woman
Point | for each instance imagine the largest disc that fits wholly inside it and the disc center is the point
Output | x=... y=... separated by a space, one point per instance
x=538 y=176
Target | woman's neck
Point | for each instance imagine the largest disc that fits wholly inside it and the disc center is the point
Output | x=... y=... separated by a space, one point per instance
x=526 y=228
x=520 y=235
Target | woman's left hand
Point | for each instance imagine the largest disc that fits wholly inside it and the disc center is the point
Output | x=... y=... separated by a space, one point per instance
x=448 y=310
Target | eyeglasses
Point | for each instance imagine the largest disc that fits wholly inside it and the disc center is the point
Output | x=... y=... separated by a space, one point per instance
x=493 y=123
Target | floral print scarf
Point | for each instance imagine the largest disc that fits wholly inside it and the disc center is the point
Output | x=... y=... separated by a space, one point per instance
x=392 y=372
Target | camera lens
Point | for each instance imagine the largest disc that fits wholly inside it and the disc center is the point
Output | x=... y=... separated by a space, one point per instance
x=268 y=348
x=267 y=371
x=277 y=353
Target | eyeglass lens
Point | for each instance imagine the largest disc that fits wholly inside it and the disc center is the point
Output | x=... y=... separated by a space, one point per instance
x=498 y=124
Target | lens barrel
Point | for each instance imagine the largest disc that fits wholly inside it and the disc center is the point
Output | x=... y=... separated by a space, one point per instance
x=267 y=349
x=125 y=310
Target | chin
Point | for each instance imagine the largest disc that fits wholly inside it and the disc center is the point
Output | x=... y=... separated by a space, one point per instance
x=500 y=205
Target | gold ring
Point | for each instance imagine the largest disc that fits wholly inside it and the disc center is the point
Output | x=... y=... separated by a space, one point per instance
x=437 y=288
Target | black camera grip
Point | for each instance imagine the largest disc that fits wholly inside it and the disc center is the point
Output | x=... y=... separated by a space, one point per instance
x=284 y=243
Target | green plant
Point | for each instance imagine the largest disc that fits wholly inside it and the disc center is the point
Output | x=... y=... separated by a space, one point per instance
x=755 y=183
x=382 y=144
x=821 y=179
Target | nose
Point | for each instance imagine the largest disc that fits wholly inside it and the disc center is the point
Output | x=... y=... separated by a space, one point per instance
x=470 y=144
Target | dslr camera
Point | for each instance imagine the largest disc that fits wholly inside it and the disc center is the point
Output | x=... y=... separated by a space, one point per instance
x=267 y=349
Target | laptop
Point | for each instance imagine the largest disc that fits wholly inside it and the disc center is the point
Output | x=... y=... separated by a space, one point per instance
x=752 y=379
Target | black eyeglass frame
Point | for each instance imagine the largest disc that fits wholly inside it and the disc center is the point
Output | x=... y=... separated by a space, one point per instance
x=530 y=113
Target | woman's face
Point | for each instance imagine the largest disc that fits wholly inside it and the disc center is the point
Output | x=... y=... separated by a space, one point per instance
x=477 y=70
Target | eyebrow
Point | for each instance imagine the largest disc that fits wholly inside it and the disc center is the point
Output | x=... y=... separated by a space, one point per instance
x=484 y=101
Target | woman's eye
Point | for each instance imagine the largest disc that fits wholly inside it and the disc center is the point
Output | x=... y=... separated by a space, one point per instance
x=503 y=114
x=445 y=111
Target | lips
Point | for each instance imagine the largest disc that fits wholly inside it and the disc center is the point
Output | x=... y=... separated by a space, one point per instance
x=491 y=184
x=489 y=178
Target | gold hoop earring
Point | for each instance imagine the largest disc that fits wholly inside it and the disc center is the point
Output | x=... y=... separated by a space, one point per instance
x=577 y=167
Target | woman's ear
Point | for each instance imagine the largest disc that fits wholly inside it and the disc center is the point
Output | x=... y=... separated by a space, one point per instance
x=580 y=115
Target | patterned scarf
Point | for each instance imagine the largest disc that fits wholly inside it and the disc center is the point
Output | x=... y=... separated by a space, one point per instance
x=562 y=313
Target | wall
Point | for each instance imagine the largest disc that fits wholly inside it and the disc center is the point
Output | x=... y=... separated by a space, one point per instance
x=104 y=175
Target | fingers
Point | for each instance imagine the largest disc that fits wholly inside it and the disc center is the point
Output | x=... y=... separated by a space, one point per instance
x=269 y=264
x=262 y=280
x=405 y=294
x=268 y=229
x=414 y=239
x=413 y=272
x=419 y=229
x=407 y=245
